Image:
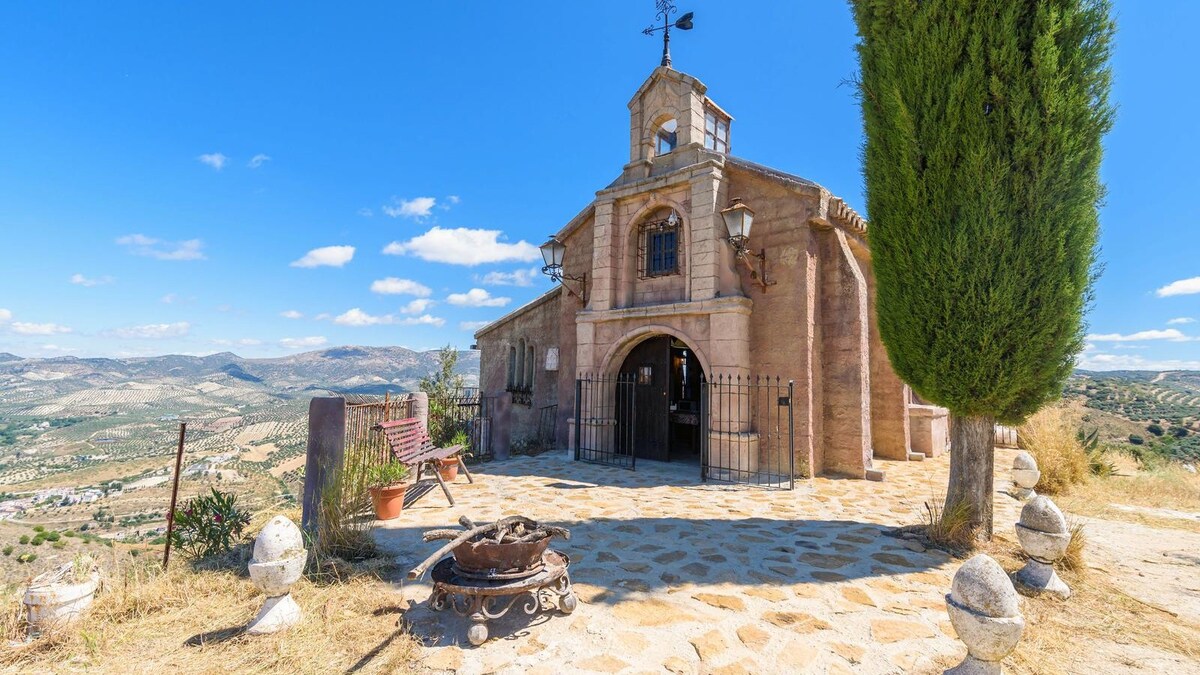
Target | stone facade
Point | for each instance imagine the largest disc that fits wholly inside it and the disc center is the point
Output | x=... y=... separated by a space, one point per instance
x=813 y=323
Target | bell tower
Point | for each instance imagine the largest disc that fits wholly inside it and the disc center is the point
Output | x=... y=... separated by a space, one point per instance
x=671 y=113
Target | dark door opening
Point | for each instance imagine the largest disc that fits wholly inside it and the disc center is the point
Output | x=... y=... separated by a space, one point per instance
x=666 y=378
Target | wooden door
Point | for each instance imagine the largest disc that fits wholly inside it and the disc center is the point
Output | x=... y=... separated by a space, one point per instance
x=649 y=365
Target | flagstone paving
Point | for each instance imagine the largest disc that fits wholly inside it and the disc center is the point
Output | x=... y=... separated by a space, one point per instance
x=680 y=576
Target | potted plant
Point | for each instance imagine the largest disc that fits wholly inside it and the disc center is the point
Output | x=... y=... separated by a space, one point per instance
x=59 y=597
x=388 y=483
x=448 y=466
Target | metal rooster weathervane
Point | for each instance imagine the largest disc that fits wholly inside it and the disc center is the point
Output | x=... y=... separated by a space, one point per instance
x=665 y=9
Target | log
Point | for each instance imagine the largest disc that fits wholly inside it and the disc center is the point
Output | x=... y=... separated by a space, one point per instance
x=440 y=534
x=419 y=571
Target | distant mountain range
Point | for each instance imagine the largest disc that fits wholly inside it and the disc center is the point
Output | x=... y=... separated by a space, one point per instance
x=349 y=369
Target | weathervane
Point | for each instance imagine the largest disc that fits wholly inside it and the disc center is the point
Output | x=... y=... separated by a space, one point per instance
x=665 y=9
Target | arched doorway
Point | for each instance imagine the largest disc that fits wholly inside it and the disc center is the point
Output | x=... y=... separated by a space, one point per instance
x=662 y=421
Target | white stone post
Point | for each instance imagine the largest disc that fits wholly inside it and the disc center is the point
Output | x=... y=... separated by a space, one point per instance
x=1025 y=476
x=278 y=562
x=983 y=609
x=1044 y=536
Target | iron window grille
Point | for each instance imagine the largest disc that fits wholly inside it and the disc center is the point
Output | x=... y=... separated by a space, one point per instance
x=658 y=248
x=521 y=395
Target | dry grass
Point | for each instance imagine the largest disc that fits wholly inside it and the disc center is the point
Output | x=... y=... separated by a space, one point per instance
x=949 y=529
x=1062 y=636
x=1161 y=497
x=1073 y=559
x=1050 y=435
x=191 y=621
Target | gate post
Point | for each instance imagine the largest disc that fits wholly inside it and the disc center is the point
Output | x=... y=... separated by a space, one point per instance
x=326 y=449
x=578 y=413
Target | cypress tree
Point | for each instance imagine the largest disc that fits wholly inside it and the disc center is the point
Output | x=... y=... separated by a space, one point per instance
x=983 y=125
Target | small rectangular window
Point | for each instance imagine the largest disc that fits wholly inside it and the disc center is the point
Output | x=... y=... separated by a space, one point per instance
x=716 y=133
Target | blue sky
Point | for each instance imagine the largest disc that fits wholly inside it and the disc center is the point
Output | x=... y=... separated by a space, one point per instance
x=184 y=178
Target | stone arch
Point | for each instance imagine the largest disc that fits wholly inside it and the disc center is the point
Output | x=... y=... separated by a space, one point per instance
x=650 y=132
x=627 y=247
x=615 y=357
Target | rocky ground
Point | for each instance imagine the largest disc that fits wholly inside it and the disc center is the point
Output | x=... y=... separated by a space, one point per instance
x=675 y=575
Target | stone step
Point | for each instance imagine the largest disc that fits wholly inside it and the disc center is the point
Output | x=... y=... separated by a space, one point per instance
x=875 y=475
x=916 y=456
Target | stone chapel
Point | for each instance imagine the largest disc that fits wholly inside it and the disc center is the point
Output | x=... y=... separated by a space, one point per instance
x=692 y=269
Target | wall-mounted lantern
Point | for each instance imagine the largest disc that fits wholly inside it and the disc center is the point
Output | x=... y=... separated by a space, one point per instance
x=738 y=219
x=553 y=252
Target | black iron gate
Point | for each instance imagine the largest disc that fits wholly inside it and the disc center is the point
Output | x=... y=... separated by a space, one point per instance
x=748 y=431
x=605 y=417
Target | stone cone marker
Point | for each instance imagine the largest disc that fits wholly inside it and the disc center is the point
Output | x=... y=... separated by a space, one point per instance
x=278 y=562
x=983 y=609
x=1044 y=537
x=1025 y=475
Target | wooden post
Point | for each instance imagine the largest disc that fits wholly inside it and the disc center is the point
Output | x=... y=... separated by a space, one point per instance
x=174 y=495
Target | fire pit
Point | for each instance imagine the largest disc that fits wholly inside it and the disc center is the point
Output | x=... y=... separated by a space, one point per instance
x=491 y=568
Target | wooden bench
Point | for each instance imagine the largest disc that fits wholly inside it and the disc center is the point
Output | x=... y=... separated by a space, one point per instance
x=411 y=445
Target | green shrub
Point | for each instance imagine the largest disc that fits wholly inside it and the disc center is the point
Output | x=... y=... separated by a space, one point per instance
x=52 y=536
x=24 y=539
x=59 y=544
x=1136 y=440
x=39 y=528
x=26 y=557
x=8 y=550
x=383 y=475
x=38 y=540
x=1179 y=432
x=208 y=525
x=1155 y=429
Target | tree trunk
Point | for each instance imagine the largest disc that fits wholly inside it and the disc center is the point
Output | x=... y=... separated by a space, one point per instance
x=971 y=469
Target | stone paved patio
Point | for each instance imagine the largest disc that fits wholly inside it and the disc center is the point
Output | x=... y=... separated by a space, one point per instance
x=675 y=575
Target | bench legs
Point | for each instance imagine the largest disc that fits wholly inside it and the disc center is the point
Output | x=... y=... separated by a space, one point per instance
x=437 y=474
x=463 y=465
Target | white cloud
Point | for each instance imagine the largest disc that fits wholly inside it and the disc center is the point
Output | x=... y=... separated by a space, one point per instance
x=453 y=199
x=357 y=317
x=153 y=331
x=5 y=315
x=58 y=349
x=418 y=207
x=80 y=280
x=1164 y=334
x=249 y=342
x=24 y=328
x=258 y=160
x=291 y=314
x=302 y=342
x=515 y=278
x=424 y=320
x=417 y=306
x=323 y=316
x=365 y=212
x=326 y=256
x=1181 y=287
x=476 y=297
x=215 y=159
x=1181 y=320
x=463 y=246
x=169 y=299
x=394 y=286
x=472 y=325
x=1133 y=362
x=140 y=244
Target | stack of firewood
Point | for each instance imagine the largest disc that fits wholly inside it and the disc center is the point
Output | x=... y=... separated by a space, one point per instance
x=510 y=530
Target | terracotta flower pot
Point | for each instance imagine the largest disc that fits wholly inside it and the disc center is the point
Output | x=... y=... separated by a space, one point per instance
x=388 y=500
x=448 y=469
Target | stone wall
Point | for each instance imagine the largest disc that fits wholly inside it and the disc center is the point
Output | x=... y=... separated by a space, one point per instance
x=538 y=325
